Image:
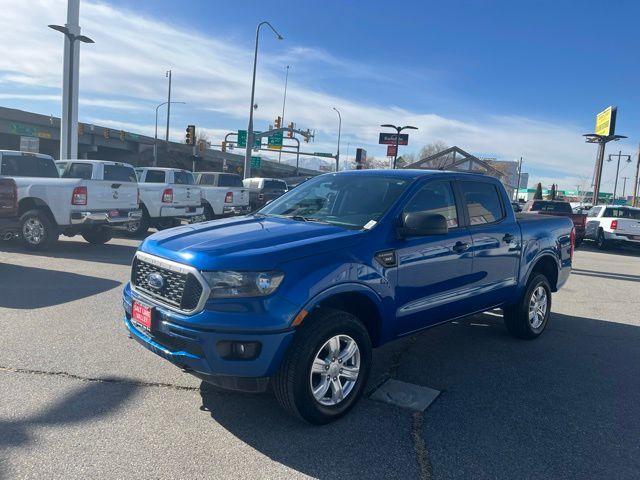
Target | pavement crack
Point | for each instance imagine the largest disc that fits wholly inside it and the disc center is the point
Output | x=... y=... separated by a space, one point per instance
x=122 y=381
x=420 y=447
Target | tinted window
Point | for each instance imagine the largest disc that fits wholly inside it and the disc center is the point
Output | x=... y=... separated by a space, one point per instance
x=182 y=178
x=119 y=173
x=622 y=213
x=594 y=212
x=560 y=207
x=229 y=181
x=206 y=179
x=61 y=167
x=79 y=170
x=28 y=166
x=436 y=198
x=482 y=201
x=154 y=176
x=275 y=185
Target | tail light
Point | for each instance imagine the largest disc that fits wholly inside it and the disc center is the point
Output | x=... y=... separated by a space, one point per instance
x=228 y=198
x=167 y=195
x=573 y=241
x=79 y=196
x=614 y=224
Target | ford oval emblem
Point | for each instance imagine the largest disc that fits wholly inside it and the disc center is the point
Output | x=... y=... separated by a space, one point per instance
x=155 y=281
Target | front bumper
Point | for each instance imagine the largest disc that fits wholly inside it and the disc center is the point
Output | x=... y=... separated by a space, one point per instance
x=105 y=217
x=181 y=212
x=236 y=210
x=196 y=350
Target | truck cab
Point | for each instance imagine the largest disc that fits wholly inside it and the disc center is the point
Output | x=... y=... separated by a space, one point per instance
x=223 y=194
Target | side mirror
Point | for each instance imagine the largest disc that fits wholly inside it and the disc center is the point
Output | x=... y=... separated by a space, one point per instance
x=419 y=224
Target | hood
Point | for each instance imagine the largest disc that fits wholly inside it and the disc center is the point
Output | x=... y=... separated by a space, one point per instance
x=247 y=243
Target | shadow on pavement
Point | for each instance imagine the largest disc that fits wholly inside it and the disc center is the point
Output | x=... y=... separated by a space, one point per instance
x=608 y=275
x=79 y=250
x=29 y=287
x=624 y=251
x=91 y=401
x=566 y=405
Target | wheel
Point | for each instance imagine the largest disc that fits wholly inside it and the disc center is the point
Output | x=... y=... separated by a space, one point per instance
x=578 y=242
x=37 y=231
x=601 y=242
x=97 y=235
x=529 y=317
x=208 y=213
x=326 y=368
x=140 y=227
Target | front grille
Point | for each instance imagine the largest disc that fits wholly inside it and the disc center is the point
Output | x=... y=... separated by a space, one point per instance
x=175 y=344
x=181 y=290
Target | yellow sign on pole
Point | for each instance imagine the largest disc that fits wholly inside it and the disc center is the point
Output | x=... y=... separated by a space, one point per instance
x=606 y=122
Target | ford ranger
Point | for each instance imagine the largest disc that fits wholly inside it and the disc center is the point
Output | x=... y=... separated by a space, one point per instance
x=298 y=293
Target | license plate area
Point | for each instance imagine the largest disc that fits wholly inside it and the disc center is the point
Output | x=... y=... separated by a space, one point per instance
x=142 y=315
x=114 y=213
x=635 y=237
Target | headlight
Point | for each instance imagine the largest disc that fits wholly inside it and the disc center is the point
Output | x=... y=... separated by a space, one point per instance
x=229 y=284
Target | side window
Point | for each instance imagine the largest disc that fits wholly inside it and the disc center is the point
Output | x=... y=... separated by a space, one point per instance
x=594 y=212
x=61 y=168
x=79 y=170
x=436 y=198
x=154 y=176
x=483 y=203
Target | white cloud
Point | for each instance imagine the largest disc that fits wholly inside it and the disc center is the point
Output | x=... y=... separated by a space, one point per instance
x=124 y=71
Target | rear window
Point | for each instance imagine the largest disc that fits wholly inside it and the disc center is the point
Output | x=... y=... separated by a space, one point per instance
x=154 y=176
x=206 y=179
x=28 y=166
x=559 y=207
x=622 y=213
x=79 y=170
x=183 y=178
x=275 y=185
x=119 y=173
x=230 y=181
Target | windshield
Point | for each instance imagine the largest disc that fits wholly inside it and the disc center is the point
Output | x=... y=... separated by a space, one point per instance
x=346 y=200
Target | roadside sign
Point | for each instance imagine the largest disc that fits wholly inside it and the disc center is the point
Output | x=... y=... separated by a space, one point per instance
x=323 y=154
x=255 y=162
x=29 y=144
x=391 y=150
x=274 y=142
x=606 y=122
x=390 y=139
x=242 y=139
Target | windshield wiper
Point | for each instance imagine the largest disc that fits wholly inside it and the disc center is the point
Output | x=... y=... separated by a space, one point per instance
x=301 y=218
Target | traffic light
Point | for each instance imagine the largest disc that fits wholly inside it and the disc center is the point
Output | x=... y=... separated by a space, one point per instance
x=202 y=145
x=291 y=127
x=307 y=135
x=190 y=138
x=122 y=135
x=278 y=122
x=107 y=133
x=224 y=146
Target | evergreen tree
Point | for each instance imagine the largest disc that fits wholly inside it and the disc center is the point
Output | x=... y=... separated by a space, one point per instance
x=538 y=194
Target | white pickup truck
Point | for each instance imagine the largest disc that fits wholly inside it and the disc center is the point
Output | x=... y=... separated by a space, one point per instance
x=223 y=194
x=167 y=196
x=612 y=225
x=49 y=205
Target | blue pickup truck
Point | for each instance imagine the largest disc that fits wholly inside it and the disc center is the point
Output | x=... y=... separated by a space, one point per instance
x=298 y=293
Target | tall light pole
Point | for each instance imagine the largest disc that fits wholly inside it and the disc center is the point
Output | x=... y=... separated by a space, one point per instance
x=398 y=130
x=615 y=185
x=247 y=158
x=284 y=102
x=339 y=131
x=155 y=138
x=168 y=74
x=69 y=121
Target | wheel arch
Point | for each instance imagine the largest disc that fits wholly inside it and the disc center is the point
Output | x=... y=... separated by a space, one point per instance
x=547 y=265
x=35 y=203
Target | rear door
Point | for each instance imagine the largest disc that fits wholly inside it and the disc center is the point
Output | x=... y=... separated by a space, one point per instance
x=593 y=222
x=496 y=241
x=185 y=193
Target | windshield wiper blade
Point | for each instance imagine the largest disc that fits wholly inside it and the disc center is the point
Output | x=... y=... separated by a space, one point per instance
x=301 y=218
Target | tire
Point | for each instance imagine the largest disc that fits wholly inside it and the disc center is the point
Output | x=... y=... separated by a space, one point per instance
x=208 y=212
x=37 y=231
x=601 y=242
x=578 y=243
x=517 y=317
x=140 y=227
x=97 y=235
x=294 y=381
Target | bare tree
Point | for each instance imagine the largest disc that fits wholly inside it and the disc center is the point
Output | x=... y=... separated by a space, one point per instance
x=381 y=163
x=430 y=149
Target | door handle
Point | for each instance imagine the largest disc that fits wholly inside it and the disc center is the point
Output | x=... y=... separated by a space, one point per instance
x=460 y=247
x=508 y=238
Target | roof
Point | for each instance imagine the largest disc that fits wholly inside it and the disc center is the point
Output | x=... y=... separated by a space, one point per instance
x=164 y=169
x=410 y=173
x=106 y=162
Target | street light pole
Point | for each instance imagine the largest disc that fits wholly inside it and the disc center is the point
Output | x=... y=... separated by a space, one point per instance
x=339 y=132
x=155 y=137
x=247 y=158
x=615 y=186
x=398 y=130
x=69 y=120
x=168 y=74
x=284 y=102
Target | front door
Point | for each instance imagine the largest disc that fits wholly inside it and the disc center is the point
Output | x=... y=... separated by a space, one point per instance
x=435 y=271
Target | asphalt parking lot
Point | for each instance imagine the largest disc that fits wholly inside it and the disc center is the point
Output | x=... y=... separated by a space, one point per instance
x=79 y=399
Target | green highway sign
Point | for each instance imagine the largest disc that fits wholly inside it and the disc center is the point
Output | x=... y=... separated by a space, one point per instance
x=242 y=139
x=255 y=161
x=275 y=141
x=321 y=154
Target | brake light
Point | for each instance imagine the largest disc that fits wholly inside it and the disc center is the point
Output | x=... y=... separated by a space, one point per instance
x=79 y=196
x=228 y=198
x=167 y=195
x=614 y=224
x=573 y=241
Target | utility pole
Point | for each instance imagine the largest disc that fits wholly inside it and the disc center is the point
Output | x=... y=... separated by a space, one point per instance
x=284 y=102
x=615 y=186
x=339 y=132
x=635 y=185
x=168 y=74
x=519 y=173
x=624 y=186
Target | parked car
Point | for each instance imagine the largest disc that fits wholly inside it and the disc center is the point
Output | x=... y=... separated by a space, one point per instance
x=517 y=207
x=49 y=205
x=298 y=293
x=167 y=197
x=223 y=194
x=559 y=208
x=612 y=225
x=263 y=190
x=8 y=208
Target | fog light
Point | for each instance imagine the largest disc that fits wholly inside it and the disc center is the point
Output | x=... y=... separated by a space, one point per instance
x=238 y=350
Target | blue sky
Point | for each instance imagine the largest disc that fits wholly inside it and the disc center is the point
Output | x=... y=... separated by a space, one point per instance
x=497 y=78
